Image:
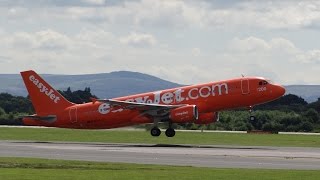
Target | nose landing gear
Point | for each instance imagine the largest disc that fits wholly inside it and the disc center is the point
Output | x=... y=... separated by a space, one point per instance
x=252 y=117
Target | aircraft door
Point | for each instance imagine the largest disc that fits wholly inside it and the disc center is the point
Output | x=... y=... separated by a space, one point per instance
x=73 y=114
x=245 y=86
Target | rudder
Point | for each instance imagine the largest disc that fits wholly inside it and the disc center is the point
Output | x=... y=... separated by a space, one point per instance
x=45 y=99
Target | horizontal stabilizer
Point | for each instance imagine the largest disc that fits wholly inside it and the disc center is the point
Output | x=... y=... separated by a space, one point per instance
x=50 y=118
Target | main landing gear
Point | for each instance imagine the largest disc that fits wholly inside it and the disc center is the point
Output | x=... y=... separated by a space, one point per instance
x=170 y=132
x=155 y=131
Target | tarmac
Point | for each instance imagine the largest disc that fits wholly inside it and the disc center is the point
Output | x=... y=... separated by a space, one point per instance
x=266 y=157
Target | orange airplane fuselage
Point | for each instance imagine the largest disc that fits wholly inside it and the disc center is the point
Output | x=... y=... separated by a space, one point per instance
x=196 y=103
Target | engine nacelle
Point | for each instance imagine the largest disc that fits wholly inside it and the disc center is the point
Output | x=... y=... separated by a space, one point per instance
x=185 y=114
x=207 y=118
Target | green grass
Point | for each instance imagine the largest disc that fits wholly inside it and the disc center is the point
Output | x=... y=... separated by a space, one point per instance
x=206 y=138
x=27 y=168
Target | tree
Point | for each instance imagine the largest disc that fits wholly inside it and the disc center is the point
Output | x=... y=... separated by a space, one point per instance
x=306 y=126
x=79 y=96
x=315 y=105
x=287 y=102
x=2 y=112
x=289 y=99
x=11 y=103
x=312 y=114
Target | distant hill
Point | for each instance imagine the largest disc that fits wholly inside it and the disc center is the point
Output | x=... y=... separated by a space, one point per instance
x=105 y=85
x=310 y=93
x=121 y=83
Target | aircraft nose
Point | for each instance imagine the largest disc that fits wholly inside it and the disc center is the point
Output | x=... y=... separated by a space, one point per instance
x=280 y=90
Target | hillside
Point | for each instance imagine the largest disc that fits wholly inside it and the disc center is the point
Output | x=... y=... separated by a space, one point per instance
x=106 y=85
x=121 y=83
x=310 y=93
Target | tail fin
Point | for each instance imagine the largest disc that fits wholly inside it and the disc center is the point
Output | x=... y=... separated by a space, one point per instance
x=45 y=99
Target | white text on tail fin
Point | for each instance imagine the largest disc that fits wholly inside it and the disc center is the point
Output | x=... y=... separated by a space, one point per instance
x=45 y=99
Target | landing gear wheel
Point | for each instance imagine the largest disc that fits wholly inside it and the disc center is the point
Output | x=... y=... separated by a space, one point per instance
x=155 y=131
x=252 y=118
x=170 y=132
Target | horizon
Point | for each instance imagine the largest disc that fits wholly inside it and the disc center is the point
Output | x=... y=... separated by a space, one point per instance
x=161 y=78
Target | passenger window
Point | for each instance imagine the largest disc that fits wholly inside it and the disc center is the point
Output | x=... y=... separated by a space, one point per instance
x=260 y=83
x=265 y=82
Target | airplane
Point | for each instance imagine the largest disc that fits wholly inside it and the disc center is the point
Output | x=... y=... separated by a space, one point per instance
x=199 y=104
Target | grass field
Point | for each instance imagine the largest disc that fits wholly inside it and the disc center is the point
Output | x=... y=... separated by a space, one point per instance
x=27 y=168
x=206 y=138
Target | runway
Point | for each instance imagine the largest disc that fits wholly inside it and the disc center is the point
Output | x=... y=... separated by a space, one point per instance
x=182 y=155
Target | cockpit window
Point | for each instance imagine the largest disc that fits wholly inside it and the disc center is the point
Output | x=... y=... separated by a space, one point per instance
x=269 y=81
x=263 y=83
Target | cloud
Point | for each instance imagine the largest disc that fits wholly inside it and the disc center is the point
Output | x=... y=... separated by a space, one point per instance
x=51 y=51
x=275 y=49
x=46 y=40
x=178 y=13
x=4 y=59
x=96 y=50
x=196 y=51
x=175 y=14
x=249 y=45
x=94 y=2
x=139 y=40
x=278 y=58
x=51 y=40
x=312 y=56
x=50 y=3
x=268 y=14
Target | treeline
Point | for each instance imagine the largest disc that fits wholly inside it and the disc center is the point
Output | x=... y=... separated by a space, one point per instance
x=289 y=113
x=79 y=96
x=12 y=108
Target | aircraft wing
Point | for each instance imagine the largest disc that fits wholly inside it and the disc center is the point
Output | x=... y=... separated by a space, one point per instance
x=139 y=106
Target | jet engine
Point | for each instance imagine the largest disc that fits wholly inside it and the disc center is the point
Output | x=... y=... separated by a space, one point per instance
x=184 y=114
x=207 y=118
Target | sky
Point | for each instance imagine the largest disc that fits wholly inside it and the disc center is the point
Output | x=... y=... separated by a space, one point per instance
x=184 y=41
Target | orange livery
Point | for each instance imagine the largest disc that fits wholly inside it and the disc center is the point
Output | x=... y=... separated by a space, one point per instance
x=198 y=104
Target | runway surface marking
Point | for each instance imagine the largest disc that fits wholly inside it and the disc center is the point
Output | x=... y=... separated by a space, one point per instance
x=186 y=155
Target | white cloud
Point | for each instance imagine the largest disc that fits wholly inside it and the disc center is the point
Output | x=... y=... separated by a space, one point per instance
x=52 y=51
x=249 y=45
x=51 y=40
x=178 y=13
x=277 y=49
x=139 y=40
x=312 y=56
x=96 y=50
x=196 y=51
x=268 y=14
x=46 y=40
x=278 y=58
x=94 y=2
